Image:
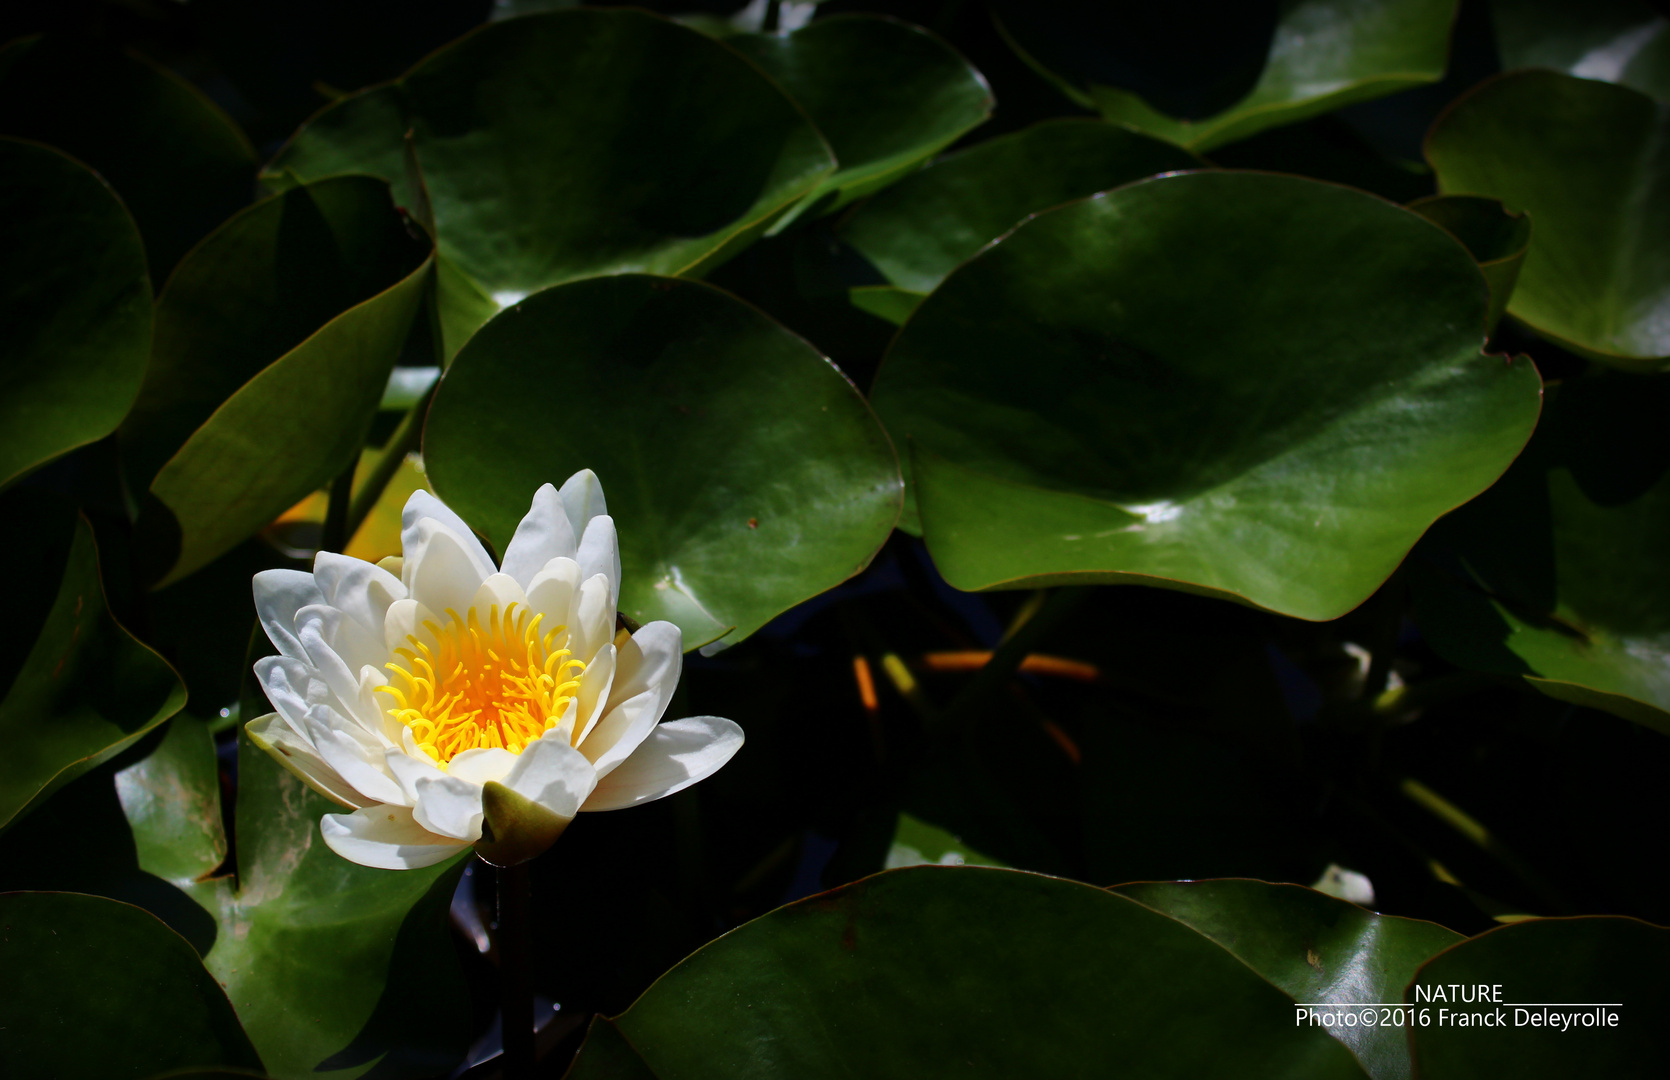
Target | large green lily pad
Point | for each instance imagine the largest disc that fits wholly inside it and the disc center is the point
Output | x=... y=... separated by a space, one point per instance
x=1586 y=160
x=1619 y=41
x=78 y=687
x=1251 y=386
x=1003 y=973
x=1325 y=54
x=1321 y=950
x=179 y=163
x=886 y=94
x=563 y=145
x=1593 y=962
x=171 y=799
x=1558 y=573
x=922 y=228
x=274 y=341
x=96 y=988
x=744 y=472
x=333 y=967
x=75 y=300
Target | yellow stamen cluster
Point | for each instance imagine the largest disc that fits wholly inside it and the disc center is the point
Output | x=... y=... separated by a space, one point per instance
x=482 y=684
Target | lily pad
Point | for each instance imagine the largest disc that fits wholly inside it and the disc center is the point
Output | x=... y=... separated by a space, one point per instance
x=1594 y=962
x=76 y=303
x=1618 y=41
x=171 y=799
x=1325 y=54
x=111 y=991
x=1106 y=395
x=1585 y=159
x=1558 y=574
x=79 y=688
x=180 y=165
x=274 y=342
x=886 y=94
x=574 y=143
x=1003 y=972
x=1497 y=238
x=744 y=472
x=937 y=218
x=1321 y=950
x=331 y=966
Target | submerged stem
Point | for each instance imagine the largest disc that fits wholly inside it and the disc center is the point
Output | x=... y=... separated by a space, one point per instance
x=515 y=977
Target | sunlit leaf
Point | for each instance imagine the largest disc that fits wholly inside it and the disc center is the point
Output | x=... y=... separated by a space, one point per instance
x=99 y=988
x=1004 y=973
x=744 y=473
x=1585 y=159
x=1084 y=404
x=1620 y=41
x=172 y=802
x=76 y=304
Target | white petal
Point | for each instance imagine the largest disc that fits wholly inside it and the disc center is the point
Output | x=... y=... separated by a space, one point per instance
x=423 y=505
x=352 y=755
x=676 y=755
x=449 y=806
x=279 y=594
x=552 y=774
x=593 y=696
x=408 y=766
x=286 y=683
x=360 y=590
x=544 y=534
x=386 y=837
x=272 y=734
x=498 y=591
x=551 y=594
x=405 y=620
x=343 y=681
x=354 y=643
x=582 y=498
x=600 y=554
x=392 y=563
x=565 y=726
x=440 y=573
x=591 y=624
x=646 y=675
x=481 y=764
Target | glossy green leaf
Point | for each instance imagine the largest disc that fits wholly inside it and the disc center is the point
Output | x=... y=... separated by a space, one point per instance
x=1618 y=41
x=935 y=219
x=886 y=94
x=1250 y=386
x=1558 y=573
x=171 y=799
x=1595 y=961
x=744 y=472
x=78 y=687
x=331 y=966
x=97 y=989
x=1004 y=973
x=274 y=342
x=180 y=165
x=886 y=302
x=574 y=143
x=1586 y=160
x=1326 y=54
x=1321 y=950
x=1495 y=236
x=75 y=300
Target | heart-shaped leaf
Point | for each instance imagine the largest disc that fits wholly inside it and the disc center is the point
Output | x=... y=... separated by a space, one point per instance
x=1620 y=41
x=744 y=472
x=1585 y=160
x=1171 y=383
x=274 y=341
x=180 y=165
x=922 y=228
x=1497 y=238
x=99 y=988
x=1325 y=54
x=573 y=143
x=1558 y=573
x=76 y=303
x=1321 y=950
x=1004 y=973
x=331 y=965
x=1603 y=965
x=78 y=687
x=887 y=95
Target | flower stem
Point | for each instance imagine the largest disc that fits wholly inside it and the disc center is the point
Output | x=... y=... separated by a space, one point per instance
x=404 y=440
x=515 y=978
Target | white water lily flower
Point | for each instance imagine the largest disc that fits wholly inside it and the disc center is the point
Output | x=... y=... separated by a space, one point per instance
x=448 y=702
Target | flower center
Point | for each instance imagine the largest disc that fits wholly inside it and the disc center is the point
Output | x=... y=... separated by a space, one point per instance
x=483 y=684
